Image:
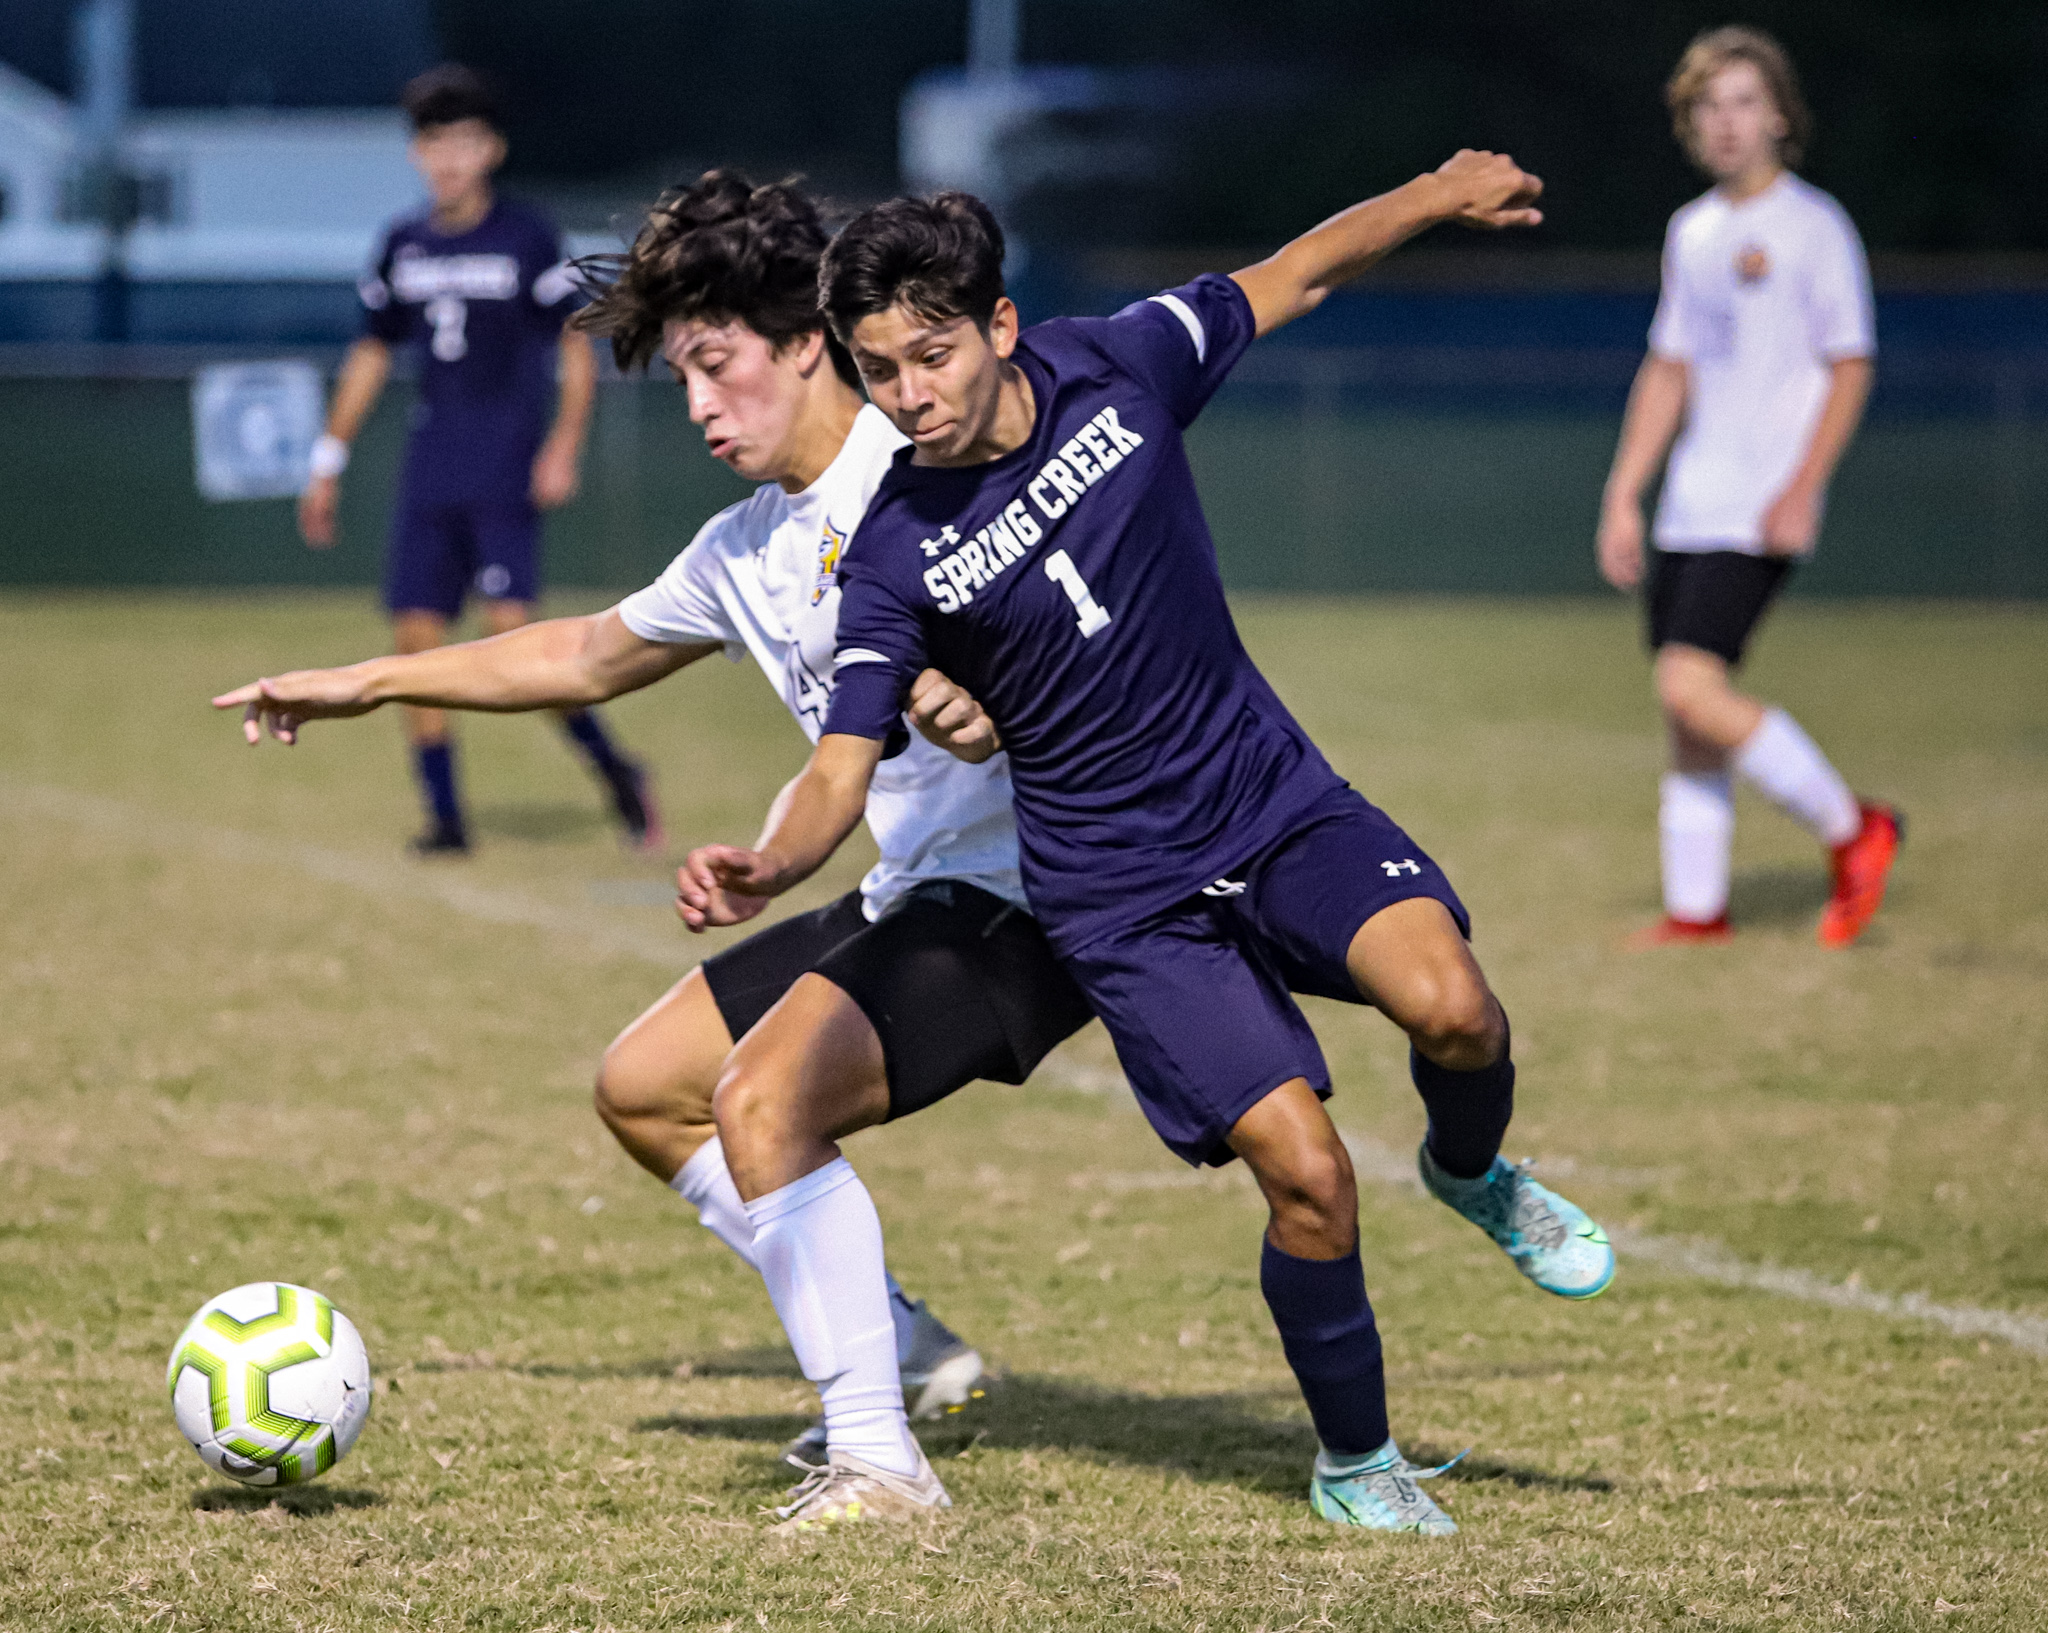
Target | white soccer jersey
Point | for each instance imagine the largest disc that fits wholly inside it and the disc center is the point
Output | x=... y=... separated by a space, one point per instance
x=761 y=576
x=1759 y=299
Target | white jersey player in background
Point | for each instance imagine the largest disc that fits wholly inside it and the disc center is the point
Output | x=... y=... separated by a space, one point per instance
x=1761 y=349
x=931 y=974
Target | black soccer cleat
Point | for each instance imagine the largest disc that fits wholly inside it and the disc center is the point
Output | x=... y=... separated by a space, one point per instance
x=633 y=803
x=440 y=839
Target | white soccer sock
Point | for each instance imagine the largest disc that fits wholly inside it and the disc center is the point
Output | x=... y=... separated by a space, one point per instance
x=1790 y=771
x=818 y=1244
x=1695 y=828
x=706 y=1181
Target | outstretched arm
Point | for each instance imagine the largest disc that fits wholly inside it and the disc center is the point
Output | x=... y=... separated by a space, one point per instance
x=810 y=819
x=563 y=663
x=1480 y=189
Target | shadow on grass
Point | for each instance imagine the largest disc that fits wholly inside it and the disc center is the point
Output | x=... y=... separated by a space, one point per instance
x=1781 y=895
x=744 y=1363
x=305 y=1501
x=1476 y=1469
x=1228 y=1438
x=538 y=824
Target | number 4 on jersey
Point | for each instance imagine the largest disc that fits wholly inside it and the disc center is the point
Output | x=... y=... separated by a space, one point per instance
x=1059 y=567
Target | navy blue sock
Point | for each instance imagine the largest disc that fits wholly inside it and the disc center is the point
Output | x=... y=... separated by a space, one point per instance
x=588 y=734
x=1327 y=1330
x=1469 y=1112
x=435 y=765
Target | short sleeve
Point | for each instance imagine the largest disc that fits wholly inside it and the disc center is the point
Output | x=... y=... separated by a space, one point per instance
x=1838 y=307
x=1670 y=330
x=881 y=651
x=1180 y=344
x=384 y=318
x=683 y=605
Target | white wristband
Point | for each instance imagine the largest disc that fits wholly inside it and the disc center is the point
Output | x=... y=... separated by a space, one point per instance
x=330 y=457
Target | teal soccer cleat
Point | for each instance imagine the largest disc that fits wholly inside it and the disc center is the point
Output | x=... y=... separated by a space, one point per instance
x=1553 y=1242
x=1378 y=1493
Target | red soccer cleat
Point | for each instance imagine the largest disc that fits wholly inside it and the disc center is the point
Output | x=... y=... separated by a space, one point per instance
x=1671 y=932
x=1862 y=866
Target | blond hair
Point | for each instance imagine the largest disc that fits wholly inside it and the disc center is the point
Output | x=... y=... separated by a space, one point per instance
x=1714 y=50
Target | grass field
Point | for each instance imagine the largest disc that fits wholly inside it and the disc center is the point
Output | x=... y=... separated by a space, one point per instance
x=245 y=1038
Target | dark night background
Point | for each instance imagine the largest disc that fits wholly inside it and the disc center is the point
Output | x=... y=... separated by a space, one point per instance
x=1933 y=127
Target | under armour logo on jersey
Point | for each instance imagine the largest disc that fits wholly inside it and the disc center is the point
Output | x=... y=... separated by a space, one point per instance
x=948 y=535
x=1224 y=887
x=1407 y=864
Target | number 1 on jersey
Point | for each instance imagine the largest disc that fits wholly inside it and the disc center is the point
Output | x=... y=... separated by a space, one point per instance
x=1060 y=568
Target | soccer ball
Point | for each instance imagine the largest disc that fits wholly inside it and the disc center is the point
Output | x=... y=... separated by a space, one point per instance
x=270 y=1383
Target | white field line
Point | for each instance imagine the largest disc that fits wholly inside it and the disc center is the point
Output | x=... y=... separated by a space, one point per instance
x=417 y=882
x=1700 y=1258
x=1697 y=1257
x=1710 y=1261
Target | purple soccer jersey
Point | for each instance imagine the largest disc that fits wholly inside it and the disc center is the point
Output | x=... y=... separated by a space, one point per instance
x=485 y=310
x=1072 y=587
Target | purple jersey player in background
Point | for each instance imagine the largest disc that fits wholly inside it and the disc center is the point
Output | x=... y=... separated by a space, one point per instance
x=1189 y=852
x=476 y=286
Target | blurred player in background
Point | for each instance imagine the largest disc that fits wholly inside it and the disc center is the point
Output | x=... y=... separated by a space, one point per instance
x=477 y=285
x=1762 y=350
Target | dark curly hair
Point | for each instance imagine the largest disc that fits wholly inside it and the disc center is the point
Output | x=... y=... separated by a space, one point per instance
x=940 y=256
x=721 y=250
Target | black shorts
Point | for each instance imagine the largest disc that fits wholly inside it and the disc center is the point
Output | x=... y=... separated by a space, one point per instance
x=1711 y=599
x=958 y=984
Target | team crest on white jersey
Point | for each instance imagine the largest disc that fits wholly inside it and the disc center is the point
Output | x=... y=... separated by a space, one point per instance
x=830 y=548
x=1752 y=264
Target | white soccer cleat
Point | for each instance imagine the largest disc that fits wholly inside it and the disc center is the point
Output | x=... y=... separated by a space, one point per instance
x=849 y=1490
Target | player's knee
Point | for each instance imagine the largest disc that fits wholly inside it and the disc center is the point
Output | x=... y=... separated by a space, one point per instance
x=1455 y=1021
x=748 y=1105
x=1687 y=684
x=1313 y=1185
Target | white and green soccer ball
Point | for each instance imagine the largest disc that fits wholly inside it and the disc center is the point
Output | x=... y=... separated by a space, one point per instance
x=270 y=1383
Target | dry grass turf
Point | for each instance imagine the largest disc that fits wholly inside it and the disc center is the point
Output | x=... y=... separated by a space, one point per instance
x=245 y=1038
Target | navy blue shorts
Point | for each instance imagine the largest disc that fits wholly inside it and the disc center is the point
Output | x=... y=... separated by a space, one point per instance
x=440 y=552
x=1198 y=998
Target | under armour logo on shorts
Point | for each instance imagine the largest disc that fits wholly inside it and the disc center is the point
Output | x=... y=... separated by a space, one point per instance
x=1394 y=869
x=1224 y=887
